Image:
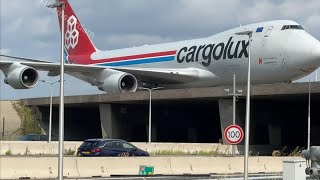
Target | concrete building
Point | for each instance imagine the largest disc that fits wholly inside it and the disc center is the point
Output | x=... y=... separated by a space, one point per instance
x=278 y=115
x=9 y=120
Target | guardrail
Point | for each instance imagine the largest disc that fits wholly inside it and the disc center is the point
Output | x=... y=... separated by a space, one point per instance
x=76 y=167
x=44 y=148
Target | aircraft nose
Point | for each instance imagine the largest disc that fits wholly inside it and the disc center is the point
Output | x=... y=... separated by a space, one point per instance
x=316 y=51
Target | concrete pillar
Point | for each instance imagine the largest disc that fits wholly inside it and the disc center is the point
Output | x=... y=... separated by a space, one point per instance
x=44 y=123
x=110 y=125
x=225 y=111
x=192 y=135
x=154 y=134
x=274 y=135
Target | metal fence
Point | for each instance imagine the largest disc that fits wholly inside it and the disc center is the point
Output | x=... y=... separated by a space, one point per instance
x=9 y=128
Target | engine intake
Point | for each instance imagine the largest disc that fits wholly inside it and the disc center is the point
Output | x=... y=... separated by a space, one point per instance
x=119 y=82
x=22 y=77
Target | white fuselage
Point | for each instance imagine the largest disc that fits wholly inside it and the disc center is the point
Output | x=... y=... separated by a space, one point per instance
x=277 y=55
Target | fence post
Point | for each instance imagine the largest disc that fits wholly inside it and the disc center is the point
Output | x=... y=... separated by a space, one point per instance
x=3 y=122
x=25 y=125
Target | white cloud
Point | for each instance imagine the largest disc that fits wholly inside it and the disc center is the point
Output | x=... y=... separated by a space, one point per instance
x=130 y=40
x=291 y=9
x=313 y=21
x=43 y=44
x=14 y=25
x=301 y=8
x=41 y=26
x=259 y=11
x=5 y=51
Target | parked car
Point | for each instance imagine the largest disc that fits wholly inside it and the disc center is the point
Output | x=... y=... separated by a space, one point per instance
x=109 y=147
x=33 y=137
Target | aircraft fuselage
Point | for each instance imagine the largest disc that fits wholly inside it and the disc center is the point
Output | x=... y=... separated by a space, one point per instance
x=277 y=54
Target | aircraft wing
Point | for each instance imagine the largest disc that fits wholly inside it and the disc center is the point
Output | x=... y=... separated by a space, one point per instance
x=160 y=75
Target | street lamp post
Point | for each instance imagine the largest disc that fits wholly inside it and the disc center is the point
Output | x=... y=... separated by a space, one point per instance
x=50 y=114
x=309 y=118
x=150 y=97
x=234 y=95
x=247 y=123
x=61 y=6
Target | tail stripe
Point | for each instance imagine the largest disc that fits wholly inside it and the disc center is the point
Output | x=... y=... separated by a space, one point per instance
x=139 y=56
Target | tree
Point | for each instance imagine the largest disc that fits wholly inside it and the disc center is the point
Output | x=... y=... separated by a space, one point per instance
x=29 y=122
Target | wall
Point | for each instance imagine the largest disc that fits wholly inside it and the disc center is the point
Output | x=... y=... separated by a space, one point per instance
x=12 y=120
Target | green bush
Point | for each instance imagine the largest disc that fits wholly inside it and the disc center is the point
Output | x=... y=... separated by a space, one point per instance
x=8 y=153
x=69 y=151
x=29 y=123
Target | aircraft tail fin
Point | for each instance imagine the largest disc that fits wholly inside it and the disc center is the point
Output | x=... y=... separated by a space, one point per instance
x=77 y=40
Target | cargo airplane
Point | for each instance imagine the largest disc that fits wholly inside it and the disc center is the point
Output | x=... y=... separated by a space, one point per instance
x=281 y=51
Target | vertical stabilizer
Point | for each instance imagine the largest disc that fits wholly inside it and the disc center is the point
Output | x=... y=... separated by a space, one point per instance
x=77 y=41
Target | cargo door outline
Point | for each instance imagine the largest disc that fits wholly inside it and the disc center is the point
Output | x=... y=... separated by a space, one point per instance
x=270 y=28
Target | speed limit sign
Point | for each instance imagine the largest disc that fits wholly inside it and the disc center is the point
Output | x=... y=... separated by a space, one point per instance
x=233 y=134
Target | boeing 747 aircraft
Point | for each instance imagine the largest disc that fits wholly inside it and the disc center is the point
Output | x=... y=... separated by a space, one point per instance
x=281 y=51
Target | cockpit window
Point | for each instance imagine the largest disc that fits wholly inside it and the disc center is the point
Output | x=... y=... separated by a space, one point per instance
x=291 y=27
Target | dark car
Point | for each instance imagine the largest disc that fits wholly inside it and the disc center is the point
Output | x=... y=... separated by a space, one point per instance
x=33 y=137
x=109 y=147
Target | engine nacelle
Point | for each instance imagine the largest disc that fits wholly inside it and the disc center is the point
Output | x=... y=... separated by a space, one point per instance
x=22 y=77
x=119 y=82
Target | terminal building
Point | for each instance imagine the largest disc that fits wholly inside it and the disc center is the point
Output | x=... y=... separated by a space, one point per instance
x=279 y=115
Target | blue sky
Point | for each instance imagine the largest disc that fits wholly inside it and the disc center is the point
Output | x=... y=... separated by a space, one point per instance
x=28 y=29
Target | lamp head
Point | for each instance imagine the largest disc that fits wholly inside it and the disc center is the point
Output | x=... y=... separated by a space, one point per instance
x=56 y=5
x=240 y=91
x=245 y=33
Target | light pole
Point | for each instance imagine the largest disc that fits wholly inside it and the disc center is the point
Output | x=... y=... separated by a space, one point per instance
x=50 y=115
x=234 y=95
x=61 y=6
x=309 y=118
x=247 y=124
x=150 y=97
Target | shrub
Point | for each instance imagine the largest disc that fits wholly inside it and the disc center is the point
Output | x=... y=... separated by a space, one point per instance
x=69 y=151
x=8 y=153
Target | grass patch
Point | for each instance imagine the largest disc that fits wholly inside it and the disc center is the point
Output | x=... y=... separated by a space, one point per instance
x=69 y=151
x=183 y=153
x=288 y=151
x=27 y=152
x=8 y=153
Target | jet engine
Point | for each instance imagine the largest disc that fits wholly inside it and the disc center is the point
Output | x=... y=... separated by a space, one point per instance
x=119 y=82
x=22 y=77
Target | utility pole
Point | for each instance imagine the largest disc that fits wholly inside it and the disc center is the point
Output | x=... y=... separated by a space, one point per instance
x=150 y=97
x=25 y=125
x=3 y=122
x=247 y=122
x=235 y=93
x=50 y=115
x=309 y=118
